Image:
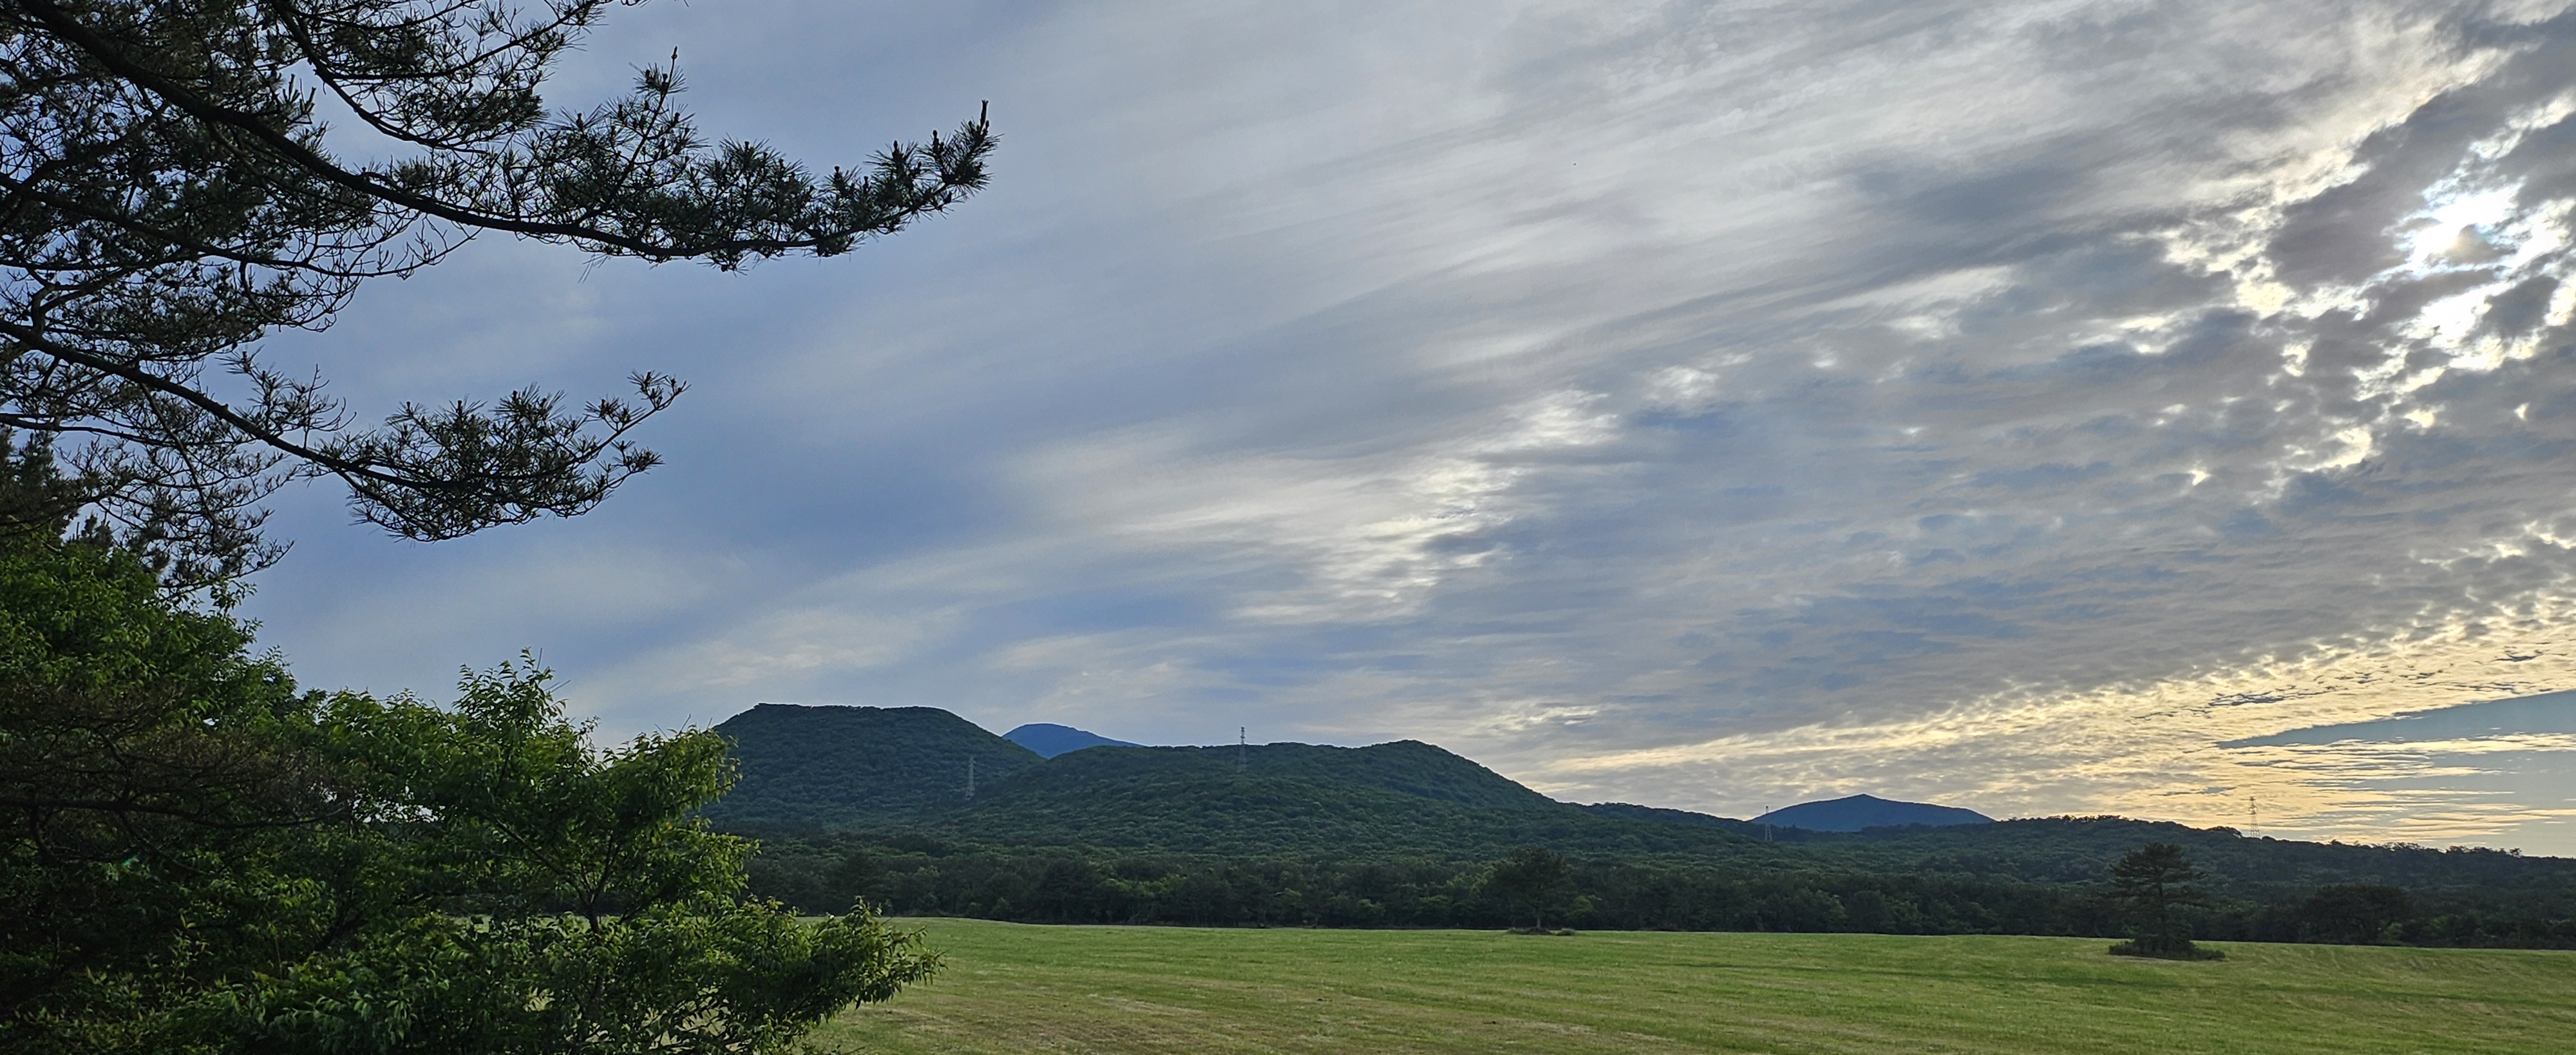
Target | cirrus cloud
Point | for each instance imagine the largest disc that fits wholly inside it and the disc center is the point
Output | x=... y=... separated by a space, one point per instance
x=1707 y=405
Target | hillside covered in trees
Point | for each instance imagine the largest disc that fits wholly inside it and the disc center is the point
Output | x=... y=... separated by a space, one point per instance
x=873 y=804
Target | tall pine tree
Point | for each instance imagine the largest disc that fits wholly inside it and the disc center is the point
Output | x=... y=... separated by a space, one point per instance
x=169 y=197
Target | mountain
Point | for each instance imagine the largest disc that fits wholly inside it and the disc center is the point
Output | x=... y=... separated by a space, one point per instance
x=831 y=766
x=862 y=803
x=896 y=776
x=1856 y=812
x=1049 y=739
x=891 y=770
x=1404 y=799
x=1661 y=815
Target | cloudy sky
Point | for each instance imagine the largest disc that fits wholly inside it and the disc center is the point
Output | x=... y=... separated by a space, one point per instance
x=2045 y=408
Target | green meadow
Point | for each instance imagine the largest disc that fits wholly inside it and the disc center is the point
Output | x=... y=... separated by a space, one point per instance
x=1017 y=988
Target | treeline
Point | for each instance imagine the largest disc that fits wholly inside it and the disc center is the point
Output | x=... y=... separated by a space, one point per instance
x=1069 y=888
x=924 y=877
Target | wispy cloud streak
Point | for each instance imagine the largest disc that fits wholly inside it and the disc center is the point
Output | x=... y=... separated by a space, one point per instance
x=1700 y=404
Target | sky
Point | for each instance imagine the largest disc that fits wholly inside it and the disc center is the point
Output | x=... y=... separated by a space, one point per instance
x=2043 y=408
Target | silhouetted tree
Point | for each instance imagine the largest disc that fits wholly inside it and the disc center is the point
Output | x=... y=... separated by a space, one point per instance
x=1533 y=880
x=168 y=198
x=2154 y=881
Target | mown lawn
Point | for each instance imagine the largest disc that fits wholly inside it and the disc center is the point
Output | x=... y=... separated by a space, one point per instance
x=1011 y=988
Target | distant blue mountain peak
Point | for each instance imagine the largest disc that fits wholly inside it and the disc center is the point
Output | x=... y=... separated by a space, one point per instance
x=1867 y=811
x=1049 y=739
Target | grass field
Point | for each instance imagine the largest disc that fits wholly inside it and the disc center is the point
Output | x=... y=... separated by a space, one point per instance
x=1011 y=988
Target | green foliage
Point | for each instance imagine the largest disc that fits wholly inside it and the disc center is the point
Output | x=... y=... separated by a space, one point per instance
x=2155 y=882
x=143 y=755
x=924 y=877
x=842 y=768
x=1395 y=799
x=200 y=858
x=1534 y=881
x=1408 y=768
x=832 y=766
x=863 y=767
x=2353 y=913
x=2079 y=850
x=1882 y=885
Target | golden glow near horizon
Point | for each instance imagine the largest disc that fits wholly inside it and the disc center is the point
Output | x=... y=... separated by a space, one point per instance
x=2166 y=748
x=2163 y=750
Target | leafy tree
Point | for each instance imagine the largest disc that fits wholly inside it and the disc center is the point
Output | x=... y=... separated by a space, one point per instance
x=2155 y=881
x=199 y=857
x=168 y=197
x=1533 y=880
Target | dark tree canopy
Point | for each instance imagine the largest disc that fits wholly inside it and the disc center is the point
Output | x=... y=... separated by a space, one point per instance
x=198 y=857
x=168 y=197
x=2352 y=913
x=1534 y=881
x=2156 y=882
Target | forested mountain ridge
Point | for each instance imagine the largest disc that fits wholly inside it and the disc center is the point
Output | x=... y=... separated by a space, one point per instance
x=832 y=767
x=1395 y=799
x=902 y=773
x=1401 y=834
x=905 y=769
x=1405 y=767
